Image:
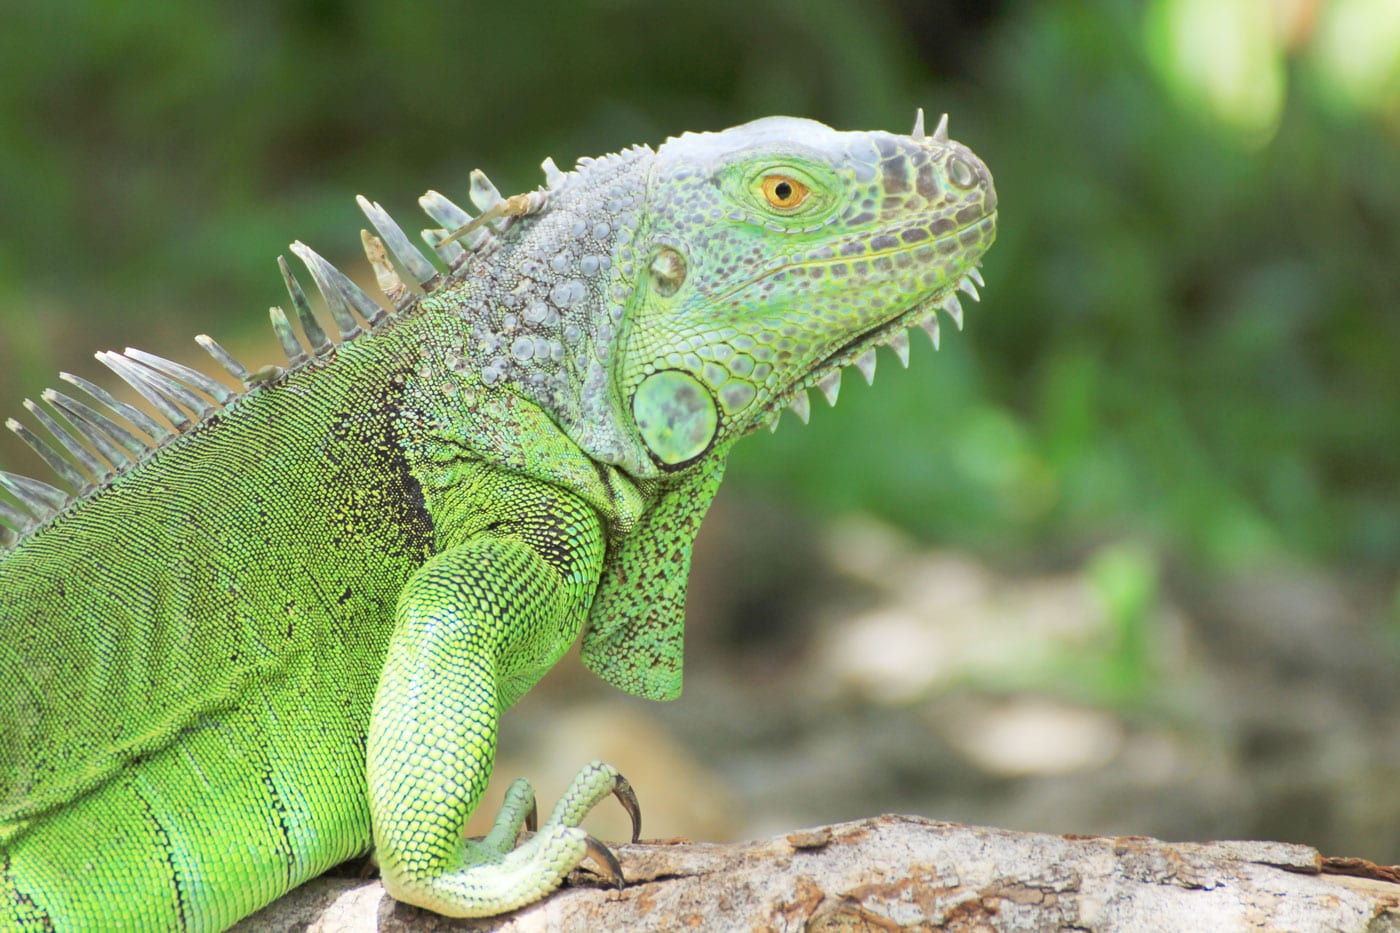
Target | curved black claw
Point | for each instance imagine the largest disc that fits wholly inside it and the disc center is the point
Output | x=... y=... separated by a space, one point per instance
x=605 y=860
x=628 y=798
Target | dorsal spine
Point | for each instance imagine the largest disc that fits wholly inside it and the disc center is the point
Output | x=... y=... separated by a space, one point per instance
x=95 y=441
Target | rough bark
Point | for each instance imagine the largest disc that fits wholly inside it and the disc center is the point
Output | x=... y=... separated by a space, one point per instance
x=901 y=872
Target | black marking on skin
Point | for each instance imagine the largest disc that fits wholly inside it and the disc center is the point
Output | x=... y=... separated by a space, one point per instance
x=546 y=533
x=27 y=907
x=279 y=808
x=167 y=849
x=370 y=489
x=550 y=539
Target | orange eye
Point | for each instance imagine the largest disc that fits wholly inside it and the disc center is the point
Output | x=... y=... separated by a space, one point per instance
x=783 y=192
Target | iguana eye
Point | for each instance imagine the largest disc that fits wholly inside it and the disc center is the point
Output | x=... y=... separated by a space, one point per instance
x=783 y=192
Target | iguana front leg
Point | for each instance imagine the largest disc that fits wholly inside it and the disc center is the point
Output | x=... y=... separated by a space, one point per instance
x=475 y=627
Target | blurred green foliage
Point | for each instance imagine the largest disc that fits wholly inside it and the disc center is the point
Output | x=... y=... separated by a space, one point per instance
x=1189 y=335
x=1124 y=578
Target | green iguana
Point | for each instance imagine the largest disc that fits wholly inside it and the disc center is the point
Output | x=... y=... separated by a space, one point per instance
x=280 y=630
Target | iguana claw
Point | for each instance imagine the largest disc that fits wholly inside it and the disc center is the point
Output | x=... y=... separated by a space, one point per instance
x=604 y=859
x=628 y=798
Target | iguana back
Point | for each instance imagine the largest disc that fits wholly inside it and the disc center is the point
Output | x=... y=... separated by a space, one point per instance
x=261 y=551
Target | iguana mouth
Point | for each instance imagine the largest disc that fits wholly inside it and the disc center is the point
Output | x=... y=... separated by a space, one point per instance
x=893 y=333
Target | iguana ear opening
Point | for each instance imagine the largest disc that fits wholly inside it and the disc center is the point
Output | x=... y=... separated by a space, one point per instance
x=676 y=416
x=635 y=636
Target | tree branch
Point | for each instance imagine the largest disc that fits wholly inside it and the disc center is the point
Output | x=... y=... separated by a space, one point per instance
x=898 y=872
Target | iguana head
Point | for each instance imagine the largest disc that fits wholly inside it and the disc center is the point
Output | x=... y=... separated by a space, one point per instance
x=775 y=254
x=766 y=259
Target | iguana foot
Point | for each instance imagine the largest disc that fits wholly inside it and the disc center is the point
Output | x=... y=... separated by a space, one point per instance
x=517 y=810
x=493 y=875
x=595 y=781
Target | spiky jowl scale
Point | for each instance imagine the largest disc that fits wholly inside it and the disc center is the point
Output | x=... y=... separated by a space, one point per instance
x=245 y=636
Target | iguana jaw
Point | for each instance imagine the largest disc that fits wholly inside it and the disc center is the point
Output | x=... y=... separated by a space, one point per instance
x=893 y=333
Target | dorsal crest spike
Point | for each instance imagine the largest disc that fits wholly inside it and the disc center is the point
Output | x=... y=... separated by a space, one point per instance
x=398 y=243
x=224 y=358
x=39 y=497
x=291 y=347
x=119 y=446
x=940 y=132
x=192 y=377
x=168 y=397
x=399 y=294
x=451 y=217
x=12 y=521
x=336 y=289
x=443 y=210
x=301 y=307
x=63 y=431
x=553 y=178
x=345 y=324
x=484 y=194
x=165 y=379
x=448 y=250
x=56 y=462
x=143 y=422
x=918 y=131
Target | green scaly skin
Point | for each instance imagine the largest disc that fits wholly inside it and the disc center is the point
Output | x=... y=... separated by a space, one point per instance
x=242 y=651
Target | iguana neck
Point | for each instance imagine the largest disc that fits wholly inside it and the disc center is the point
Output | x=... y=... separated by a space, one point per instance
x=542 y=312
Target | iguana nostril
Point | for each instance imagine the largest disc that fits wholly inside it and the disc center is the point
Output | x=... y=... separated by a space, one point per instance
x=960 y=173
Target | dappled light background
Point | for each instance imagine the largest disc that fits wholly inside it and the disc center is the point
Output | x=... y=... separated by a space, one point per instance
x=1122 y=557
